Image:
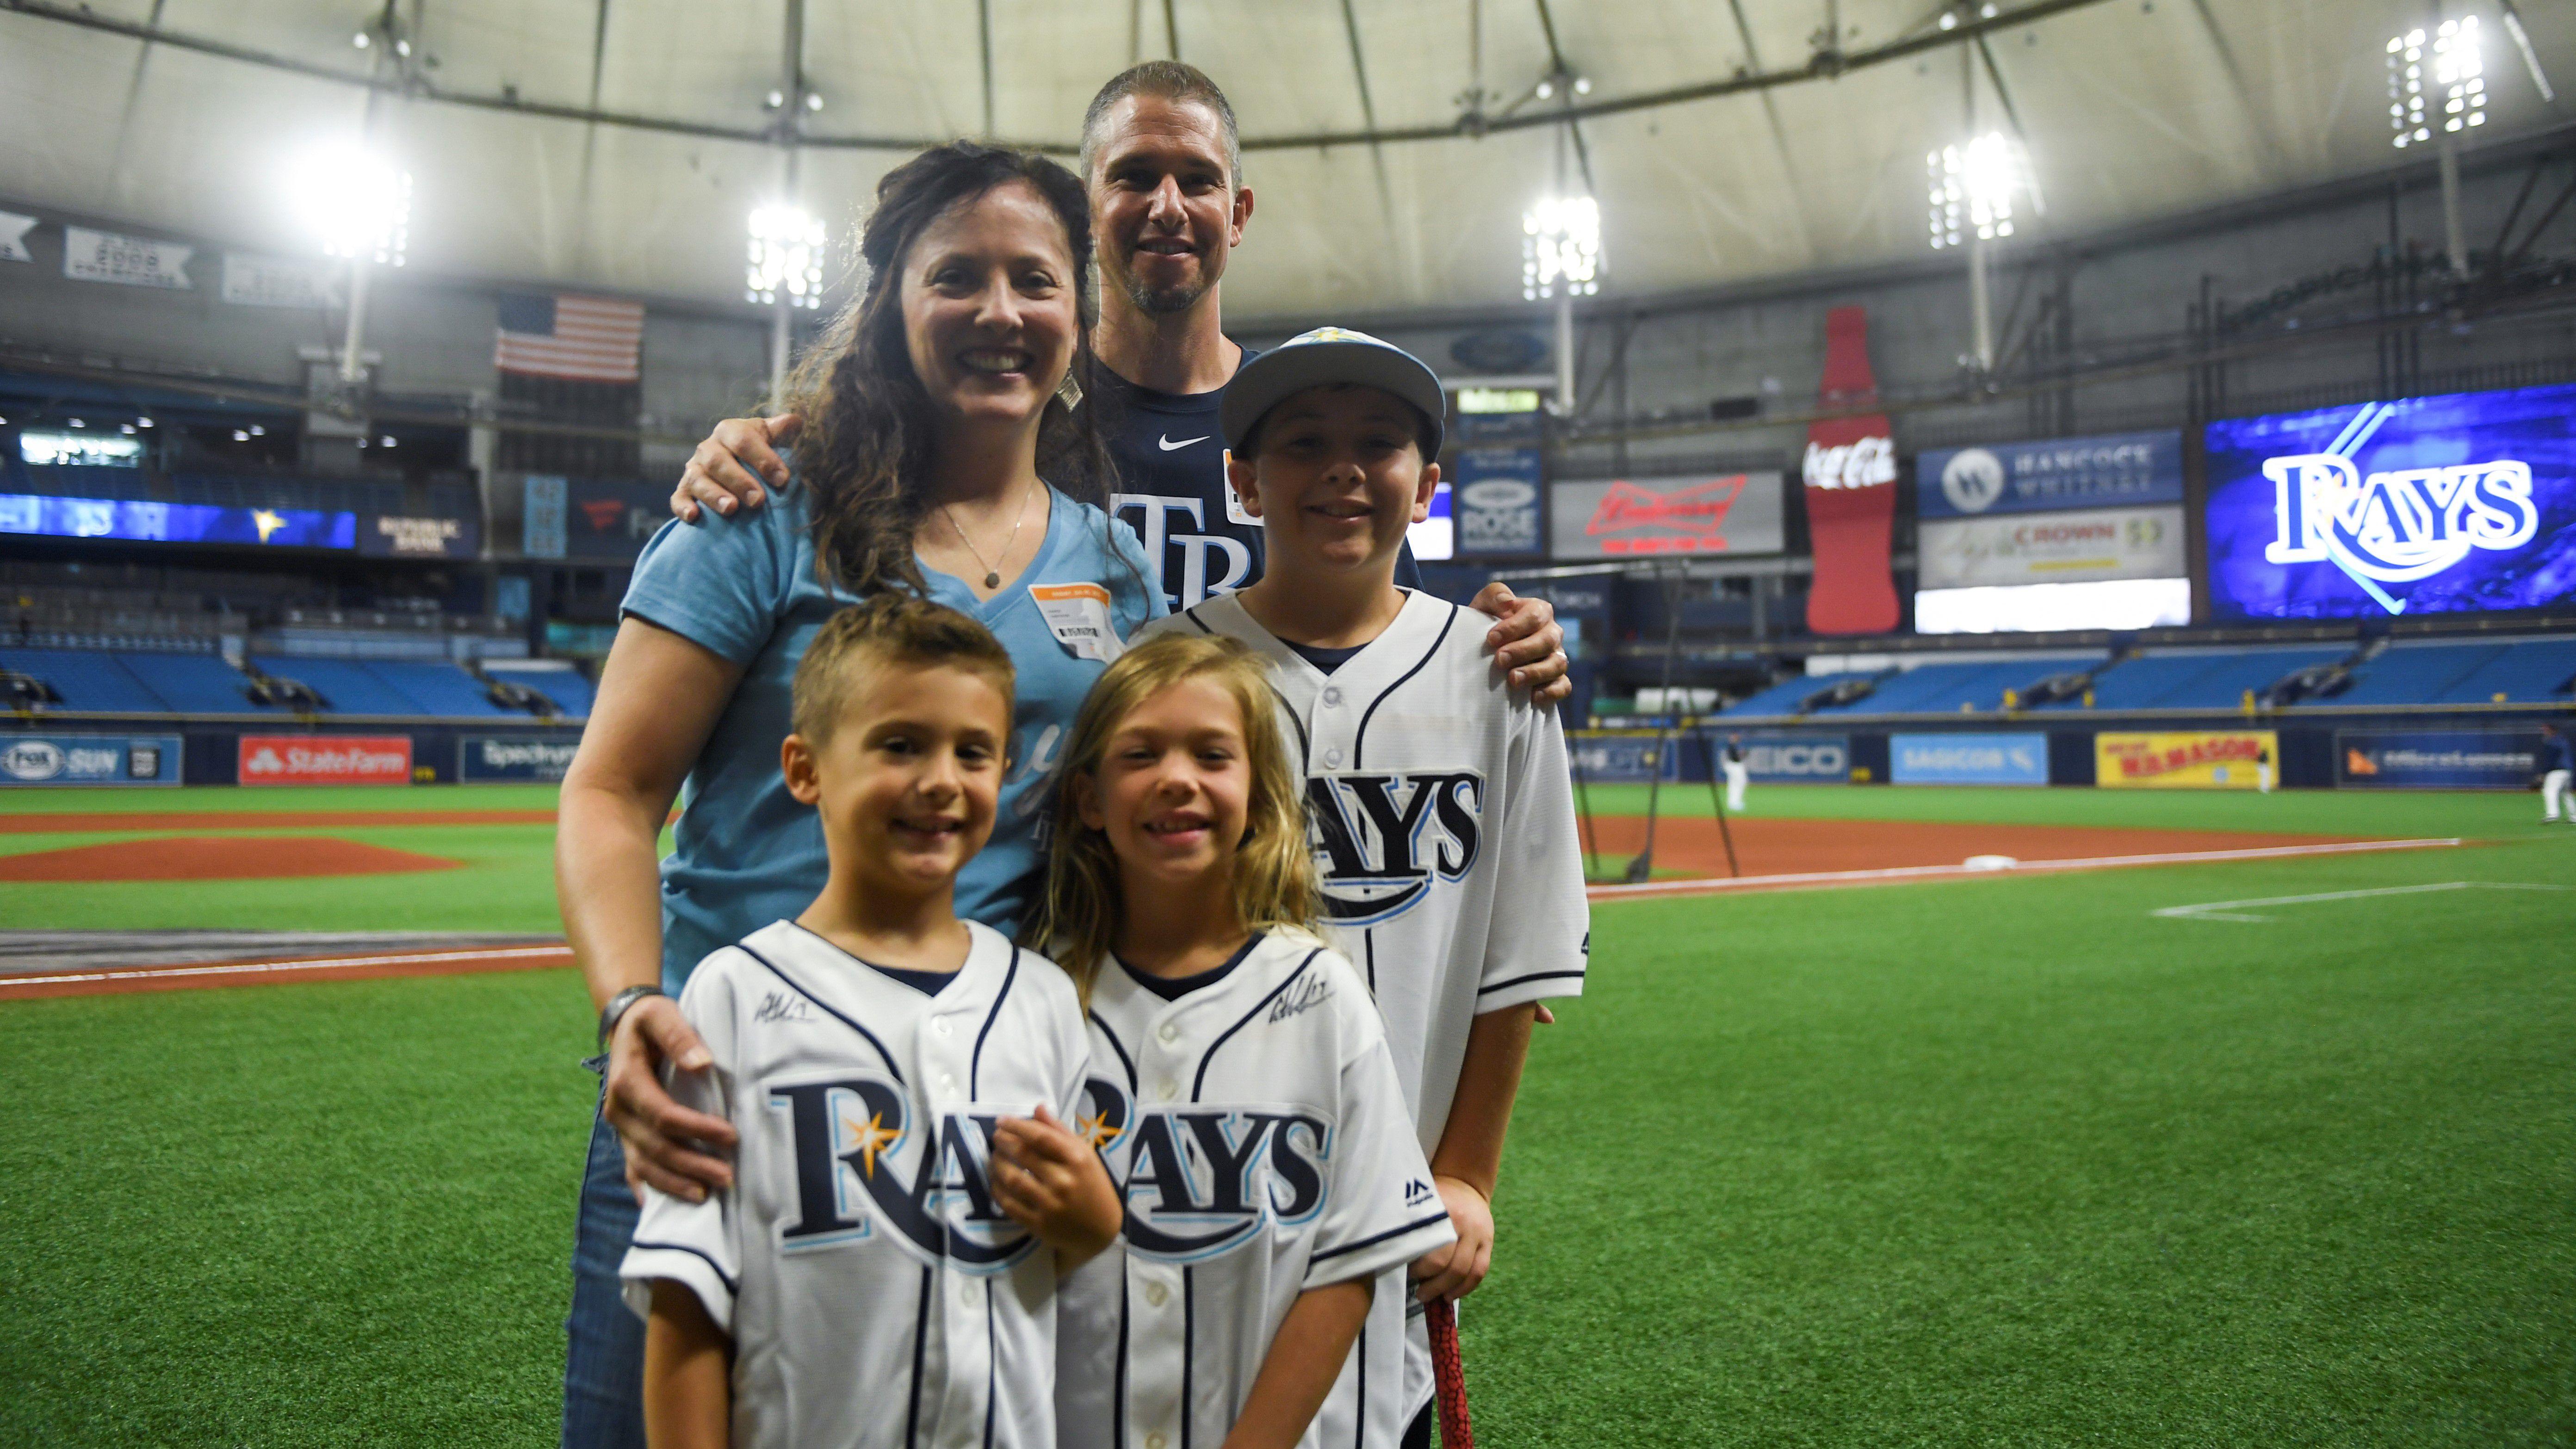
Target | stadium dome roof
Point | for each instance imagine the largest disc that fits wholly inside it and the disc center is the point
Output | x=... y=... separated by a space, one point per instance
x=1797 y=149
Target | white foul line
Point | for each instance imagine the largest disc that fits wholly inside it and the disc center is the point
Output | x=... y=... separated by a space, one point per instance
x=1943 y=872
x=238 y=968
x=2218 y=910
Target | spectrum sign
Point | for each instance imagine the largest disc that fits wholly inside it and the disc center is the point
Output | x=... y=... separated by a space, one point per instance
x=2449 y=504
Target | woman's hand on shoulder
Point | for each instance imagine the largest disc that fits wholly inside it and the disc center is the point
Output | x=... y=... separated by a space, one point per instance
x=726 y=471
x=1528 y=644
x=667 y=1145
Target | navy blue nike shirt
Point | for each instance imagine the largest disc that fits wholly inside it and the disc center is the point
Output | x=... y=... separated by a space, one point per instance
x=1172 y=490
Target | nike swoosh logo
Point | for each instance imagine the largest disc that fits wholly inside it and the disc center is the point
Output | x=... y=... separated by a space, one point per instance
x=1170 y=446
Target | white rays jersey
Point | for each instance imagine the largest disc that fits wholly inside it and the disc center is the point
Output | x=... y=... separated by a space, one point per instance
x=876 y=1297
x=1264 y=1147
x=1441 y=808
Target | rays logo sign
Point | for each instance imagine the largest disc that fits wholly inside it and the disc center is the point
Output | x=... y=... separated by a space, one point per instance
x=2429 y=505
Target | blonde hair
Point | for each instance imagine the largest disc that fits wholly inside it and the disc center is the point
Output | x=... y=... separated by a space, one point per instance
x=891 y=628
x=1274 y=869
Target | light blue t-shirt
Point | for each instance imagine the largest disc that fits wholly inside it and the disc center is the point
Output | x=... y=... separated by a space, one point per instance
x=744 y=587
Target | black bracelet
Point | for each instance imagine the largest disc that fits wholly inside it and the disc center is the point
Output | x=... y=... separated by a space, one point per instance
x=617 y=1008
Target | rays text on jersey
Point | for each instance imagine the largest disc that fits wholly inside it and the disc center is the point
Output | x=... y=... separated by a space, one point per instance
x=1201 y=1180
x=853 y=1138
x=1382 y=840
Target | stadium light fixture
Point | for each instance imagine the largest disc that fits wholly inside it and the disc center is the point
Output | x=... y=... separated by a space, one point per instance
x=1970 y=190
x=2443 y=68
x=786 y=258
x=1561 y=248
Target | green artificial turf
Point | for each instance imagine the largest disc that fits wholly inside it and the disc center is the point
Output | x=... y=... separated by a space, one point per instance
x=2007 y=1161
x=77 y=801
x=2393 y=813
x=290 y=1215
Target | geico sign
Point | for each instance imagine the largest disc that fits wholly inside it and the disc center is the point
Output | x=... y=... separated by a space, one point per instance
x=1864 y=464
x=1829 y=760
x=2399 y=526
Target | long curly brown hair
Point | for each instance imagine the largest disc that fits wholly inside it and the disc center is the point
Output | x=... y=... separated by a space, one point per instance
x=864 y=450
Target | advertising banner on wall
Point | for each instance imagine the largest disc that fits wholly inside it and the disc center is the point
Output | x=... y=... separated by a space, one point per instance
x=613 y=520
x=2115 y=470
x=1496 y=501
x=387 y=535
x=13 y=237
x=1791 y=759
x=175 y=522
x=515 y=757
x=325 y=760
x=252 y=280
x=2437 y=759
x=89 y=759
x=1964 y=759
x=1850 y=473
x=2052 y=548
x=2430 y=505
x=1735 y=514
x=541 y=515
x=2204 y=759
x=1602 y=757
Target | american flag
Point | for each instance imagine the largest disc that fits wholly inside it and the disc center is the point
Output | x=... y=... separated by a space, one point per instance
x=589 y=338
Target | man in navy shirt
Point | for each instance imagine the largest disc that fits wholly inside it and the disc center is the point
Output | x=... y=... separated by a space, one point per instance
x=1162 y=162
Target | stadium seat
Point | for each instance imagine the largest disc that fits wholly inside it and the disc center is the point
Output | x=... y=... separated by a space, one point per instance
x=2413 y=673
x=85 y=679
x=436 y=688
x=346 y=685
x=2528 y=672
x=571 y=693
x=192 y=683
x=2214 y=679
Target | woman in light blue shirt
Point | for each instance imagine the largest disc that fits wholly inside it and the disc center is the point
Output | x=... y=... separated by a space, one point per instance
x=939 y=457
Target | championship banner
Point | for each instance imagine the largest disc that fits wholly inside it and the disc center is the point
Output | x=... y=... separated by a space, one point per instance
x=1738 y=514
x=2052 y=548
x=2437 y=759
x=252 y=280
x=2226 y=759
x=13 y=237
x=133 y=261
x=89 y=760
x=325 y=760
x=1851 y=491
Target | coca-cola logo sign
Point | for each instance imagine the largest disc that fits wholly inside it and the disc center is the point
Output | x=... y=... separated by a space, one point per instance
x=1863 y=464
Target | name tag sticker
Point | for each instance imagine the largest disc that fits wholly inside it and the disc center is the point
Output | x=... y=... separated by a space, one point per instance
x=1078 y=616
x=1233 y=505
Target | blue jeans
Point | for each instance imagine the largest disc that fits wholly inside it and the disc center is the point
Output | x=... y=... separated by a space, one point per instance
x=604 y=1365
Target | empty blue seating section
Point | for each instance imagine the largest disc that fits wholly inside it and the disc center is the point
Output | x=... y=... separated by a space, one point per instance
x=1781 y=698
x=191 y=683
x=86 y=679
x=570 y=692
x=2525 y=673
x=58 y=480
x=2414 y=673
x=2222 y=682
x=436 y=687
x=346 y=685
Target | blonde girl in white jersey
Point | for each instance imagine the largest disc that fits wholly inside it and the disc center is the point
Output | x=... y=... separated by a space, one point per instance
x=1241 y=1093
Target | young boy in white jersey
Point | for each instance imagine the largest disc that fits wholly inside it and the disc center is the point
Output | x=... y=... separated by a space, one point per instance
x=1441 y=804
x=1241 y=1093
x=883 y=1270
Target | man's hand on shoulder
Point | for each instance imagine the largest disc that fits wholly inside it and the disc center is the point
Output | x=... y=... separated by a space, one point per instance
x=1527 y=642
x=726 y=471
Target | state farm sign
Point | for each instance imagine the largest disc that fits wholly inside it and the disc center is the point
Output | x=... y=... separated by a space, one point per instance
x=1735 y=514
x=325 y=760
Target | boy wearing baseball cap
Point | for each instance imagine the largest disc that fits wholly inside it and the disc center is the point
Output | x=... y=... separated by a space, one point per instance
x=1440 y=804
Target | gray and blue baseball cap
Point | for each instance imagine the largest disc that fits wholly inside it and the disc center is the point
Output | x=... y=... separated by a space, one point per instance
x=1330 y=355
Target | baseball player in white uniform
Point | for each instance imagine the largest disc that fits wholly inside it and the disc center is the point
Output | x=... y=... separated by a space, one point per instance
x=1441 y=804
x=874 y=1293
x=1265 y=1148
x=1731 y=761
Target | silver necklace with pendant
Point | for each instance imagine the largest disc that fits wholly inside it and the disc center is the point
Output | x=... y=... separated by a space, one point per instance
x=992 y=571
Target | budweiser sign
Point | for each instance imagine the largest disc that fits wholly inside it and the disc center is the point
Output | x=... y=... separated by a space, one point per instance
x=1735 y=514
x=325 y=760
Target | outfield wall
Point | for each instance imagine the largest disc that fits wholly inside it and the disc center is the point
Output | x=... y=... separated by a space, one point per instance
x=97 y=753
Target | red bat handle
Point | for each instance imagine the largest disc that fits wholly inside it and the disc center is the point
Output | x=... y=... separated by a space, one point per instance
x=1448 y=1375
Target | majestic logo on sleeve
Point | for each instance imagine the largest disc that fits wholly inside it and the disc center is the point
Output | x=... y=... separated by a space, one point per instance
x=862 y=1166
x=2400 y=526
x=1381 y=841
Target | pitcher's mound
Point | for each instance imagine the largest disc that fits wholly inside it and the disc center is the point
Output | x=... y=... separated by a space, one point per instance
x=215 y=857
